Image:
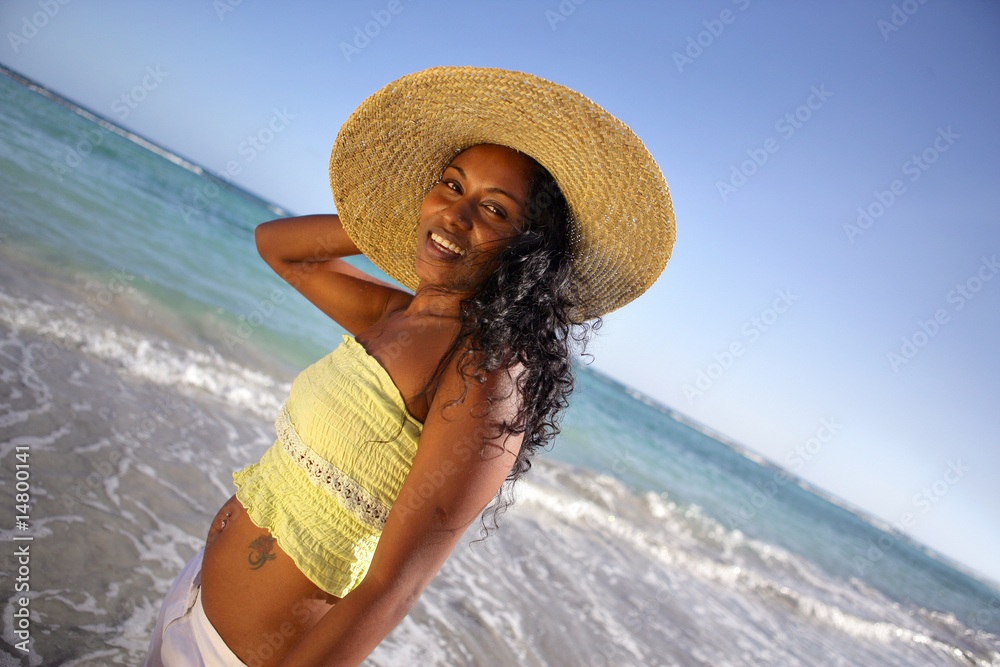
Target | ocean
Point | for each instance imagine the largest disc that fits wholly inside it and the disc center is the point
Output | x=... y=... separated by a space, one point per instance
x=145 y=350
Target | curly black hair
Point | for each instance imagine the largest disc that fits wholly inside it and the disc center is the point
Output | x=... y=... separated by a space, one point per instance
x=523 y=313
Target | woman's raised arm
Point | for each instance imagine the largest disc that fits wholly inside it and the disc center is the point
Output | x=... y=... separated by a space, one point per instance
x=306 y=251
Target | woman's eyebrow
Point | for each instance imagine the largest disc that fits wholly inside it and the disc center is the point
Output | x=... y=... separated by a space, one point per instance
x=508 y=195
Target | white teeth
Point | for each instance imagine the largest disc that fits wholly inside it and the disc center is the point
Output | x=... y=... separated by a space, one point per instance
x=441 y=241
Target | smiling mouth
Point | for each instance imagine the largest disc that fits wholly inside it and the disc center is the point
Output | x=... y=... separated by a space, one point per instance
x=446 y=246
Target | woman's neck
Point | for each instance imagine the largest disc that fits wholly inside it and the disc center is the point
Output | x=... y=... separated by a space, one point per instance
x=433 y=301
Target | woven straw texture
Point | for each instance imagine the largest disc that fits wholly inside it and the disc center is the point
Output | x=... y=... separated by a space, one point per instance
x=395 y=146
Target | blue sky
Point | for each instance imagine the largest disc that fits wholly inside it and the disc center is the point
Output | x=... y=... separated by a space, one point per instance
x=774 y=123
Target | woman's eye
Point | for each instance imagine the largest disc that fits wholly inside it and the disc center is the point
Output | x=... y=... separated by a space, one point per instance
x=453 y=186
x=496 y=210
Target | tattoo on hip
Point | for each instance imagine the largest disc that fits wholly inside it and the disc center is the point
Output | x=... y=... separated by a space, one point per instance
x=261 y=551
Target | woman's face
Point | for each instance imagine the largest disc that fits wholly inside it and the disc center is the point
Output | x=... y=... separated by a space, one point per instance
x=471 y=213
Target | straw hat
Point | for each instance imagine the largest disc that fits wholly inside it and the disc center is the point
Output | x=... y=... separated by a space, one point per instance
x=395 y=146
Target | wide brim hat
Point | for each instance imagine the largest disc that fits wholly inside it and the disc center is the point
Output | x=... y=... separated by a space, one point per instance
x=395 y=146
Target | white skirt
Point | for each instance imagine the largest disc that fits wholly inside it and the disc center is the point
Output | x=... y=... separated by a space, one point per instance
x=184 y=637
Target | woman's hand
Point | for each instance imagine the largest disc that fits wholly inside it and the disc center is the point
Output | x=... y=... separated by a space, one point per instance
x=306 y=251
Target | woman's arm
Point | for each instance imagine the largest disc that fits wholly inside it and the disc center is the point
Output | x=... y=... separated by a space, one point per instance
x=307 y=251
x=459 y=467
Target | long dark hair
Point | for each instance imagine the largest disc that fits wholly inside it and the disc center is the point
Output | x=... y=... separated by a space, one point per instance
x=522 y=314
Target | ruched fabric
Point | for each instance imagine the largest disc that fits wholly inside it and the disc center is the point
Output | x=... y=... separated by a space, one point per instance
x=345 y=443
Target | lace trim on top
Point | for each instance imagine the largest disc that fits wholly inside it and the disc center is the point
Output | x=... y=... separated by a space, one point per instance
x=352 y=496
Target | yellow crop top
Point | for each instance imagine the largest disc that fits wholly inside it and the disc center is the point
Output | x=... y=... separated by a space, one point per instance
x=324 y=489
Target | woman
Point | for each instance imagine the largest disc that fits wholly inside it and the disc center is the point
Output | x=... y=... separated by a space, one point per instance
x=517 y=210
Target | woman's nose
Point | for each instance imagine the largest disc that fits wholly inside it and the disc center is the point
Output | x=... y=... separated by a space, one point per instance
x=459 y=214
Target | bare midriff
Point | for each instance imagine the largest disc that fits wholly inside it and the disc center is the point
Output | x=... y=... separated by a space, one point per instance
x=258 y=600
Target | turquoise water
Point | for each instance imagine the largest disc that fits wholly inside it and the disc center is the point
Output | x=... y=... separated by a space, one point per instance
x=640 y=492
x=647 y=449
